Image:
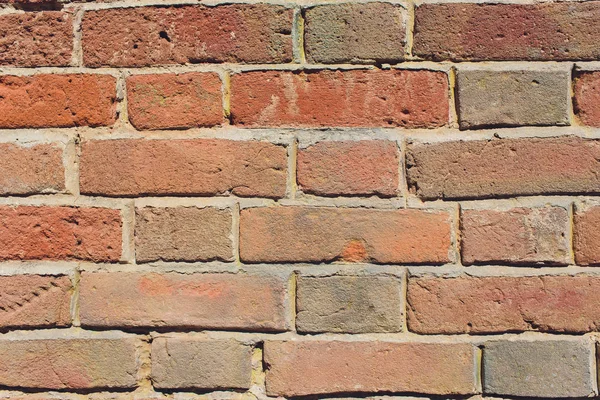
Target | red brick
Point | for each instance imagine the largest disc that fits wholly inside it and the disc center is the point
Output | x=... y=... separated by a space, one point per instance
x=59 y=233
x=204 y=167
x=68 y=362
x=36 y=39
x=411 y=99
x=298 y=368
x=143 y=36
x=183 y=234
x=349 y=168
x=516 y=236
x=174 y=300
x=31 y=169
x=587 y=97
x=35 y=301
x=49 y=100
x=174 y=101
x=470 y=31
x=504 y=167
x=316 y=234
x=586 y=236
x=469 y=304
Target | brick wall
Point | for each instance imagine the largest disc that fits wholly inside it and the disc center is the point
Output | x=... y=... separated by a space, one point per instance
x=311 y=199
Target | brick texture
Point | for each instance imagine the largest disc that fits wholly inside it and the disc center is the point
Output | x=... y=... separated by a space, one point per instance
x=181 y=363
x=36 y=39
x=143 y=36
x=495 y=304
x=530 y=166
x=586 y=238
x=76 y=363
x=201 y=167
x=405 y=98
x=31 y=169
x=60 y=233
x=169 y=101
x=471 y=31
x=208 y=301
x=183 y=234
x=315 y=234
x=354 y=33
x=299 y=368
x=587 y=97
x=516 y=236
x=35 y=301
x=349 y=168
x=58 y=101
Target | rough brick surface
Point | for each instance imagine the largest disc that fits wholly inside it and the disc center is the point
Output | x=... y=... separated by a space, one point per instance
x=60 y=233
x=354 y=33
x=36 y=39
x=300 y=368
x=170 y=101
x=349 y=168
x=183 y=167
x=31 y=169
x=202 y=301
x=586 y=236
x=348 y=304
x=489 y=98
x=405 y=98
x=587 y=97
x=140 y=36
x=530 y=166
x=319 y=234
x=57 y=100
x=515 y=236
x=549 y=368
x=470 y=31
x=439 y=305
x=35 y=301
x=183 y=234
x=68 y=363
x=183 y=363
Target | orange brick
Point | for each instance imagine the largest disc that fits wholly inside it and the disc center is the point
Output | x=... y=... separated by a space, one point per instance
x=586 y=236
x=587 y=97
x=410 y=99
x=318 y=234
x=60 y=233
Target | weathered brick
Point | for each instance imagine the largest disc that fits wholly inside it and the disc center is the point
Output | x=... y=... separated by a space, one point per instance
x=35 y=301
x=471 y=31
x=60 y=101
x=319 y=234
x=516 y=236
x=200 y=301
x=36 y=39
x=199 y=363
x=529 y=166
x=298 y=368
x=354 y=33
x=201 y=167
x=143 y=36
x=348 y=304
x=174 y=101
x=405 y=98
x=60 y=233
x=543 y=368
x=31 y=169
x=587 y=97
x=513 y=98
x=586 y=236
x=349 y=168
x=495 y=304
x=183 y=234
x=69 y=362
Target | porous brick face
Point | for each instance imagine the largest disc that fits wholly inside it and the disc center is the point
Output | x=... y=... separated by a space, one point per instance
x=299 y=199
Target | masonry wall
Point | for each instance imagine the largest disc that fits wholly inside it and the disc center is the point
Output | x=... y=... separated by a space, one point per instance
x=312 y=199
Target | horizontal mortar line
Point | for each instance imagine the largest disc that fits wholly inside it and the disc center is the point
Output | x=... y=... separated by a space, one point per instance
x=494 y=270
